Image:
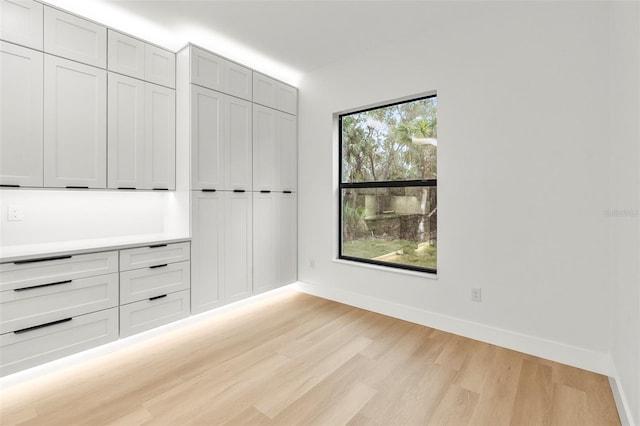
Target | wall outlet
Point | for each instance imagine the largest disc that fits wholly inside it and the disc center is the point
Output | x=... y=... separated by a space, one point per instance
x=15 y=212
x=476 y=295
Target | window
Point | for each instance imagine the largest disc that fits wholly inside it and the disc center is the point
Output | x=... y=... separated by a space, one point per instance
x=388 y=185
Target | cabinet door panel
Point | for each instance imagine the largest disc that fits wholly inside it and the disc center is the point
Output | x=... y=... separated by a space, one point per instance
x=287 y=98
x=74 y=38
x=238 y=249
x=238 y=141
x=287 y=163
x=207 y=69
x=239 y=81
x=160 y=66
x=207 y=251
x=160 y=137
x=265 y=246
x=287 y=239
x=126 y=132
x=126 y=55
x=207 y=138
x=21 y=103
x=21 y=22
x=264 y=90
x=264 y=149
x=75 y=115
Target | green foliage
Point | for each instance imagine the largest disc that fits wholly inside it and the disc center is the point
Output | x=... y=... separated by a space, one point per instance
x=398 y=251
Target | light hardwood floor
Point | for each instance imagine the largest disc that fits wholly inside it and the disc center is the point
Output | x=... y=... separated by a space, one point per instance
x=296 y=359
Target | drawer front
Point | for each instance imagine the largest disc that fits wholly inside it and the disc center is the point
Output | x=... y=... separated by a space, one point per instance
x=147 y=314
x=153 y=255
x=27 y=349
x=55 y=269
x=140 y=284
x=29 y=307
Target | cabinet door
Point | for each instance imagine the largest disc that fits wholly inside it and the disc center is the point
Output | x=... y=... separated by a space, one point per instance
x=207 y=251
x=126 y=132
x=238 y=141
x=287 y=152
x=160 y=137
x=160 y=66
x=75 y=124
x=237 y=246
x=126 y=55
x=207 y=69
x=265 y=241
x=265 y=157
x=21 y=104
x=264 y=90
x=287 y=239
x=239 y=81
x=207 y=138
x=74 y=38
x=21 y=22
x=287 y=98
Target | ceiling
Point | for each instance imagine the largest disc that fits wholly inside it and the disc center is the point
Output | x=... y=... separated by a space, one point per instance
x=283 y=38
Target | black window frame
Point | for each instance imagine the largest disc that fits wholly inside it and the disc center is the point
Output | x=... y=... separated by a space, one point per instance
x=376 y=184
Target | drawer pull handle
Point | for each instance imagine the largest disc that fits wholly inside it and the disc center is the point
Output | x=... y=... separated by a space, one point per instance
x=6 y=185
x=238 y=190
x=35 y=327
x=160 y=189
x=157 y=297
x=126 y=187
x=286 y=192
x=265 y=192
x=44 y=259
x=43 y=285
x=158 y=245
x=208 y=190
x=76 y=187
x=158 y=266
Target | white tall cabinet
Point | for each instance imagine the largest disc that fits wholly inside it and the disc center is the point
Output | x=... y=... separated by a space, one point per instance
x=21 y=82
x=243 y=180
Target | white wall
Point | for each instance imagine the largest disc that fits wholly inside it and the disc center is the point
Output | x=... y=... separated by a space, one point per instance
x=624 y=214
x=523 y=174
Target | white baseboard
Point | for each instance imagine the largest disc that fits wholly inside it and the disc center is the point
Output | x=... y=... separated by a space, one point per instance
x=626 y=417
x=543 y=348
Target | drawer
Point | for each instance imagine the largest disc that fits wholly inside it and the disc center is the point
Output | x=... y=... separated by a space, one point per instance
x=147 y=314
x=31 y=306
x=20 y=350
x=49 y=270
x=139 y=284
x=153 y=255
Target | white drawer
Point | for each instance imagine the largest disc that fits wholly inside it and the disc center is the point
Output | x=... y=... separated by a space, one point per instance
x=29 y=348
x=48 y=270
x=147 y=314
x=31 y=306
x=139 y=284
x=153 y=255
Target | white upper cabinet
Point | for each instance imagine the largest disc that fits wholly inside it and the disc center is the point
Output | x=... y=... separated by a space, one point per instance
x=238 y=141
x=274 y=146
x=160 y=137
x=126 y=55
x=221 y=141
x=214 y=72
x=21 y=22
x=274 y=94
x=126 y=151
x=207 y=138
x=21 y=81
x=74 y=38
x=160 y=66
x=75 y=124
x=135 y=58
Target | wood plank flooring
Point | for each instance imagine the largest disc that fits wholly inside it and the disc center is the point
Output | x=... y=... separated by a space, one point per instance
x=295 y=359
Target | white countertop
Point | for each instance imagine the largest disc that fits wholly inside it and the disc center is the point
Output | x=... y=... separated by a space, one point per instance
x=30 y=251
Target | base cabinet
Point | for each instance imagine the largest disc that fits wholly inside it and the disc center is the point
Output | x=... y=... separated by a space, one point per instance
x=153 y=312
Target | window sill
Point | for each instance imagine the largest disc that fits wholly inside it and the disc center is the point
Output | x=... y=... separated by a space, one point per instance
x=418 y=274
